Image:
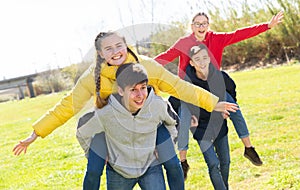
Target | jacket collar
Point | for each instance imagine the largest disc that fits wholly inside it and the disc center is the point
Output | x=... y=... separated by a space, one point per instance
x=109 y=71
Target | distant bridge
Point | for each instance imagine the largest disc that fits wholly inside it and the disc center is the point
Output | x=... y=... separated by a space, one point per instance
x=19 y=83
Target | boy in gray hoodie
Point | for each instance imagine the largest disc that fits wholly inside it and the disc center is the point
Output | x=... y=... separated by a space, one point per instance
x=130 y=122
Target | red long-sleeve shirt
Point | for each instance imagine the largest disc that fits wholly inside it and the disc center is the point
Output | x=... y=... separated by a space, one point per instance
x=215 y=42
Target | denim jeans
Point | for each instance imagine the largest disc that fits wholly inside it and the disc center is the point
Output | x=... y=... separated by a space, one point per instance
x=217 y=159
x=168 y=158
x=237 y=119
x=153 y=179
x=185 y=123
x=96 y=163
x=166 y=153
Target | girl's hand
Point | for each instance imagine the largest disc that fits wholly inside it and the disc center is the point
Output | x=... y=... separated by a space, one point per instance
x=23 y=145
x=276 y=19
x=226 y=107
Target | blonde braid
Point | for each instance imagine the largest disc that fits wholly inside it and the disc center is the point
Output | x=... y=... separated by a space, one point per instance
x=100 y=102
x=133 y=54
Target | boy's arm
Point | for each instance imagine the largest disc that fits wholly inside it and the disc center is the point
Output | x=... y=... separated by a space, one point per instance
x=88 y=125
x=230 y=85
x=171 y=121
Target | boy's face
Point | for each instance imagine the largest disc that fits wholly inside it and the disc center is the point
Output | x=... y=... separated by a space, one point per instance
x=113 y=50
x=200 y=61
x=134 y=97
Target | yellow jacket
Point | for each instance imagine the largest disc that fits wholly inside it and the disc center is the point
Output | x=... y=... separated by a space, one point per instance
x=161 y=80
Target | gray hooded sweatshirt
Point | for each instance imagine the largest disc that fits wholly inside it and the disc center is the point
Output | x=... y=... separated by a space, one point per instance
x=130 y=139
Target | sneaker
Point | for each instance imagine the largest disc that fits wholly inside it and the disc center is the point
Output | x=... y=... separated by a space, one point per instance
x=185 y=167
x=252 y=155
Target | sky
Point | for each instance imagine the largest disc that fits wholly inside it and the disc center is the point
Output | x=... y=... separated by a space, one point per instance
x=37 y=35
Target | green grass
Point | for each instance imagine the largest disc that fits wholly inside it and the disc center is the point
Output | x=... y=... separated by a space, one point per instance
x=269 y=99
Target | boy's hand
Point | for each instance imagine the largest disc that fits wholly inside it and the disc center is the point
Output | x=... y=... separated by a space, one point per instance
x=23 y=145
x=225 y=116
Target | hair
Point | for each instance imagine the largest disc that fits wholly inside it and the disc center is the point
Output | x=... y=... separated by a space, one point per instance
x=131 y=74
x=200 y=14
x=100 y=102
x=195 y=49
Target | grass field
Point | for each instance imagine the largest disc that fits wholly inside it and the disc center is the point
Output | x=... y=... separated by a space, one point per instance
x=269 y=99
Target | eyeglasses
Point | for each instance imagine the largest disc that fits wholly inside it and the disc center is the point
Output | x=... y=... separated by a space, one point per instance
x=198 y=24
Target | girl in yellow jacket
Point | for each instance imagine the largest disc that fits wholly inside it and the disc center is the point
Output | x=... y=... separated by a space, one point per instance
x=99 y=81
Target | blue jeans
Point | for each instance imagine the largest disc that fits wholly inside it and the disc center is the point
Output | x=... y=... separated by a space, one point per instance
x=168 y=158
x=166 y=153
x=96 y=163
x=185 y=123
x=217 y=159
x=237 y=119
x=153 y=179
